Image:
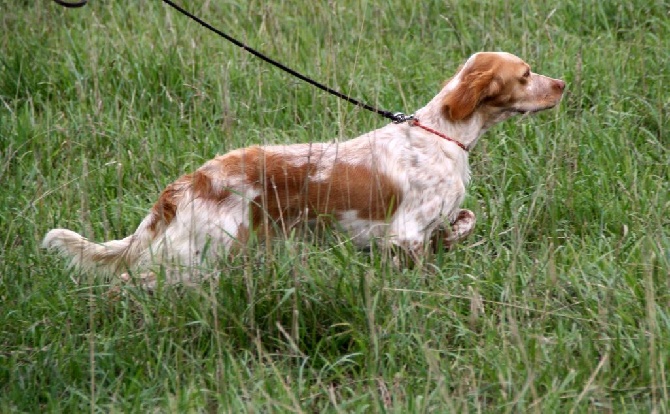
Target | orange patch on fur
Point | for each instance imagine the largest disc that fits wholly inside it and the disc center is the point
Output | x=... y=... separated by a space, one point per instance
x=200 y=184
x=289 y=191
x=165 y=208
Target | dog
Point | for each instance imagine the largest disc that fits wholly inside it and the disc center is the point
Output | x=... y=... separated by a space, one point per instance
x=400 y=186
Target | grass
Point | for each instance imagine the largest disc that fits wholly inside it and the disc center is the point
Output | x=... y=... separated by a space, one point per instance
x=558 y=303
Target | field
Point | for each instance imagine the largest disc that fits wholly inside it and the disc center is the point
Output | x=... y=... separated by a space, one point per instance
x=559 y=302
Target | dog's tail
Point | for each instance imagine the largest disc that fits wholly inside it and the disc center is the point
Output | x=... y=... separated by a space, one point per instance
x=132 y=251
x=107 y=257
x=87 y=255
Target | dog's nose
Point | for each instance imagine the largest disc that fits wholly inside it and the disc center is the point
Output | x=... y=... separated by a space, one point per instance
x=559 y=84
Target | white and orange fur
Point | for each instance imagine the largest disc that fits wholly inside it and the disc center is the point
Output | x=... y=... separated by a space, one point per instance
x=399 y=185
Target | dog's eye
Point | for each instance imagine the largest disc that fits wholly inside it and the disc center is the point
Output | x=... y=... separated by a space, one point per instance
x=526 y=73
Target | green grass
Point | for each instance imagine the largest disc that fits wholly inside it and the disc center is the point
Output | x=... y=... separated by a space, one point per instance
x=558 y=303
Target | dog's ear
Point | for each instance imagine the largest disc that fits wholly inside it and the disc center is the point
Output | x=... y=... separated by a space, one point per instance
x=473 y=87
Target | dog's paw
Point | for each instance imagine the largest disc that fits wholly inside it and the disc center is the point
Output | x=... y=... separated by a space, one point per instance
x=458 y=229
x=146 y=280
x=462 y=227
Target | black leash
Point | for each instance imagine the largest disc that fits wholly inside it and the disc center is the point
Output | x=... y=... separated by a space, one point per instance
x=72 y=5
x=397 y=117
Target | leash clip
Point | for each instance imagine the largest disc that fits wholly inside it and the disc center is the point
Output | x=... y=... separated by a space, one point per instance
x=399 y=118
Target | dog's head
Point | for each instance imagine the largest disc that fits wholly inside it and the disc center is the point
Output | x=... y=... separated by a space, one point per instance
x=498 y=85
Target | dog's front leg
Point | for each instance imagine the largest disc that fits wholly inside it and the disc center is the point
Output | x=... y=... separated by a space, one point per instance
x=406 y=254
x=456 y=231
x=407 y=247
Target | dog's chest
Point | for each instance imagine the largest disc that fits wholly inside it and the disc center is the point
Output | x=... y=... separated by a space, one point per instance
x=435 y=182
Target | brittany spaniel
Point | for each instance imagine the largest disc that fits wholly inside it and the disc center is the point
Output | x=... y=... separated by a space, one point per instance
x=397 y=186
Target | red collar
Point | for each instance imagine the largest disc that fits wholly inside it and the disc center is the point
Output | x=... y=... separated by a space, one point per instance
x=415 y=122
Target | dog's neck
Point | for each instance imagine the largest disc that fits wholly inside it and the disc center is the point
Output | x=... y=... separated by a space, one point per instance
x=467 y=131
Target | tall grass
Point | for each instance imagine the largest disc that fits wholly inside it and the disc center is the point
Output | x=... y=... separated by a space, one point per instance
x=558 y=303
